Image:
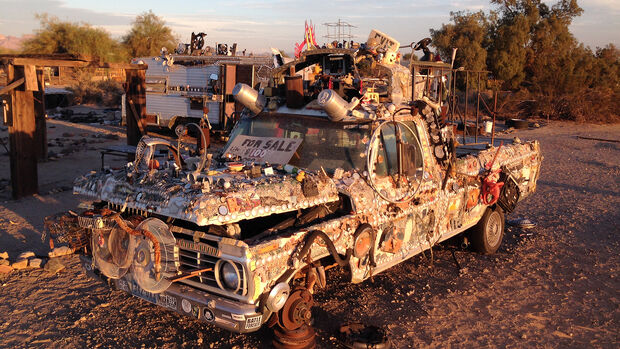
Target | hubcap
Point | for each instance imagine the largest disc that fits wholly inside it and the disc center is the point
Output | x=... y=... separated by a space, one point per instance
x=494 y=229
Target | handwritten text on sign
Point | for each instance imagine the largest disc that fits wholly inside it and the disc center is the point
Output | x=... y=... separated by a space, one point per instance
x=274 y=150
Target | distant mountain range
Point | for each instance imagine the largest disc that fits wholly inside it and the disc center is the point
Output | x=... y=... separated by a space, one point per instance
x=12 y=42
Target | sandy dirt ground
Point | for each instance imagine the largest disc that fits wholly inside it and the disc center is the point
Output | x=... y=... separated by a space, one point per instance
x=554 y=286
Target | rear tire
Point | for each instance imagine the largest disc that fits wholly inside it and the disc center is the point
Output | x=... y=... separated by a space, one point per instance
x=487 y=235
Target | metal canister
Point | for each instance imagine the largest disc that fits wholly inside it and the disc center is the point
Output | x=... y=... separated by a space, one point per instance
x=335 y=107
x=249 y=97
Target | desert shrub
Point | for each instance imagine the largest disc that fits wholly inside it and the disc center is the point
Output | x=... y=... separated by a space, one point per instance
x=589 y=105
x=57 y=36
x=103 y=92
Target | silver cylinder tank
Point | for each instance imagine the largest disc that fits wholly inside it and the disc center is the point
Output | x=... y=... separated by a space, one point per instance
x=335 y=107
x=249 y=97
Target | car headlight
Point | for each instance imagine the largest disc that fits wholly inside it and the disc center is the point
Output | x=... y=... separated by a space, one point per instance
x=228 y=276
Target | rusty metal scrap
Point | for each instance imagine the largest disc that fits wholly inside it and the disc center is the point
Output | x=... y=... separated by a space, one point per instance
x=64 y=228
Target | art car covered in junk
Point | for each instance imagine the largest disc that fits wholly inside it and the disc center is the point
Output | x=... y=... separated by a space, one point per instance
x=344 y=160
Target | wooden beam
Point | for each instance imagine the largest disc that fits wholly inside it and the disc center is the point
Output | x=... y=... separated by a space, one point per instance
x=126 y=66
x=6 y=89
x=230 y=79
x=39 y=62
x=47 y=62
x=23 y=155
x=40 y=135
x=137 y=118
x=135 y=90
x=30 y=74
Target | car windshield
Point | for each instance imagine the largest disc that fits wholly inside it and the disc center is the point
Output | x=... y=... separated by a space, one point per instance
x=323 y=143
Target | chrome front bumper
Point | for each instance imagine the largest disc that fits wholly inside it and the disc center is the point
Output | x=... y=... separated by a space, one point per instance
x=221 y=312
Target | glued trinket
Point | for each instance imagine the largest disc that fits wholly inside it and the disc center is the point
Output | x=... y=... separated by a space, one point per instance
x=290 y=169
x=309 y=186
x=255 y=171
x=338 y=173
x=300 y=176
x=222 y=210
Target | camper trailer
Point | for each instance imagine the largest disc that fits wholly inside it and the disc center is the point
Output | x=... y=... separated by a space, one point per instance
x=188 y=86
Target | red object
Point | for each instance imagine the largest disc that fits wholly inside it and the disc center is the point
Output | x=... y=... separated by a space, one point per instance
x=153 y=164
x=491 y=188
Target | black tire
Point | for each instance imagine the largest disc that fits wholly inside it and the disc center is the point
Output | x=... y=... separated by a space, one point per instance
x=517 y=123
x=486 y=236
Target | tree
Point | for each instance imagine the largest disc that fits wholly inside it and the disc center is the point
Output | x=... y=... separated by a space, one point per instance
x=509 y=36
x=554 y=56
x=56 y=36
x=468 y=33
x=607 y=67
x=531 y=49
x=148 y=34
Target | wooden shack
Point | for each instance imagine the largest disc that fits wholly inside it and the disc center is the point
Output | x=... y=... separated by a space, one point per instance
x=24 y=92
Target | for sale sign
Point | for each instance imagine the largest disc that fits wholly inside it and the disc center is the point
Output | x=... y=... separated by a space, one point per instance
x=274 y=150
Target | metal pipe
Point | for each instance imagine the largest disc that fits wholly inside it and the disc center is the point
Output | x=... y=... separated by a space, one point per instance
x=466 y=105
x=494 y=113
x=477 y=108
x=453 y=83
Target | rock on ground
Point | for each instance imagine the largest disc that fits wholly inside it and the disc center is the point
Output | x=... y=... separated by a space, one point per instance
x=60 y=251
x=20 y=264
x=26 y=255
x=54 y=266
x=35 y=263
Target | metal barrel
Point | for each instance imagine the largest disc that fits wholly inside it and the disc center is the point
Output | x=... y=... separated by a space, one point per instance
x=335 y=107
x=249 y=97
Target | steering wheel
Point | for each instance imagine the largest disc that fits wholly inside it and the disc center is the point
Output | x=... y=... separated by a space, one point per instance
x=422 y=44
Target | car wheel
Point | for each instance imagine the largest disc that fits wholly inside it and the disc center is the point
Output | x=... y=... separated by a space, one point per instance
x=487 y=235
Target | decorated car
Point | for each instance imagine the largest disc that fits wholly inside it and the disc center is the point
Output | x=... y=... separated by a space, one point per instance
x=345 y=160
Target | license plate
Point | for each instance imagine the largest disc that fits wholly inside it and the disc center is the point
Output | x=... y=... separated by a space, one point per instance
x=160 y=299
x=138 y=291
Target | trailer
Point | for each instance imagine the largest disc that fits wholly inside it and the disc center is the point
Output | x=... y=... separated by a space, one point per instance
x=188 y=88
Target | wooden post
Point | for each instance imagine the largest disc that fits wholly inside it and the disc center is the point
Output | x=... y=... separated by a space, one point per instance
x=135 y=89
x=22 y=127
x=229 y=102
x=40 y=136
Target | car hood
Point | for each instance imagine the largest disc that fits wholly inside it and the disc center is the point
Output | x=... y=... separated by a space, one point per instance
x=220 y=197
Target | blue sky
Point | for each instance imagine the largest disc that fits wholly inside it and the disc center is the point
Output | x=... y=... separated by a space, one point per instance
x=258 y=25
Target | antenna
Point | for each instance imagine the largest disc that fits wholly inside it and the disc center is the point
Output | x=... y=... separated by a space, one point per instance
x=339 y=31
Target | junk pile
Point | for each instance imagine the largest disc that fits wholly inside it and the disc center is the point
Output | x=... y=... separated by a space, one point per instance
x=69 y=143
x=62 y=230
x=87 y=115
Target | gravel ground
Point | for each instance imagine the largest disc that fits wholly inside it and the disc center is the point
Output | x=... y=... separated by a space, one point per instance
x=553 y=286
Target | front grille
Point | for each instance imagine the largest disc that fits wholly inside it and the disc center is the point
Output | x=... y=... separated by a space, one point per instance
x=191 y=260
x=95 y=222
